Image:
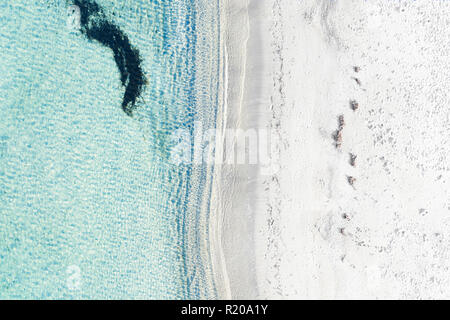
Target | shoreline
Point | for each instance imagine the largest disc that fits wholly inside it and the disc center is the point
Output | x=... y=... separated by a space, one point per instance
x=201 y=279
x=244 y=79
x=219 y=200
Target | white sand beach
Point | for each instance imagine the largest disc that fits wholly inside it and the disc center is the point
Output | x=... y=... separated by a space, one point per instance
x=316 y=226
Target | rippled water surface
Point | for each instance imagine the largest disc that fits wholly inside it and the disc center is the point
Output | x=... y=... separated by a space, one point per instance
x=91 y=205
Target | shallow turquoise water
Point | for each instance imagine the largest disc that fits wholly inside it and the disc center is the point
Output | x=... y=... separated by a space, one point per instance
x=90 y=205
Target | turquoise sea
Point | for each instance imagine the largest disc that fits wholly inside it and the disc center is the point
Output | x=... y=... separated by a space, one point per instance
x=91 y=207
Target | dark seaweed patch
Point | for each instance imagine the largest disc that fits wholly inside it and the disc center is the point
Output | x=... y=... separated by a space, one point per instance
x=95 y=26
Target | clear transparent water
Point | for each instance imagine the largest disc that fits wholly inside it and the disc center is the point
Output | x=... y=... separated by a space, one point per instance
x=90 y=206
